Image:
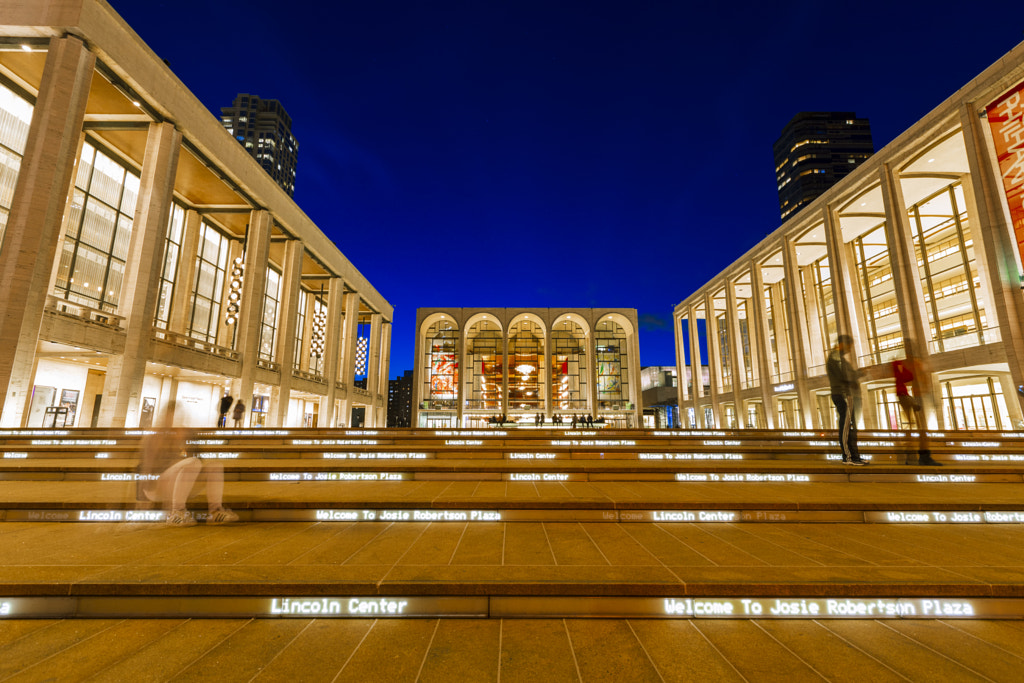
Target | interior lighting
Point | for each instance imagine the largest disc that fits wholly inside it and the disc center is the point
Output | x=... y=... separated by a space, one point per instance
x=26 y=48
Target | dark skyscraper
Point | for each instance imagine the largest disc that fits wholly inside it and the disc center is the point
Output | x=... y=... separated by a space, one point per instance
x=816 y=149
x=400 y=401
x=265 y=129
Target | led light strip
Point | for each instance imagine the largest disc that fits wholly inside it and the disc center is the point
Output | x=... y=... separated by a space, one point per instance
x=419 y=606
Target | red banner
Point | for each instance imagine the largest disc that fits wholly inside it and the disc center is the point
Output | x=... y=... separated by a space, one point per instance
x=1006 y=118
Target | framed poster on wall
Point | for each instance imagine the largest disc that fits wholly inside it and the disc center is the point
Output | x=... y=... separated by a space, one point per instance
x=69 y=400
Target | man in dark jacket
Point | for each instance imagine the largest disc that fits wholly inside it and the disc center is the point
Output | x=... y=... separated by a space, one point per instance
x=845 y=385
x=225 y=405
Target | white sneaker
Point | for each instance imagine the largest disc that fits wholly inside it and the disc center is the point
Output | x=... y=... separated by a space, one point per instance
x=221 y=516
x=180 y=518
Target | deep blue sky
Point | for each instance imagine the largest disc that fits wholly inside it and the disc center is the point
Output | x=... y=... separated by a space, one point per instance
x=522 y=153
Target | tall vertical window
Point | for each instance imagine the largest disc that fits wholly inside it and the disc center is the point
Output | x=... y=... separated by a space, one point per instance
x=525 y=366
x=172 y=252
x=948 y=270
x=98 y=232
x=208 y=287
x=15 y=117
x=878 y=294
x=724 y=351
x=300 y=329
x=568 y=366
x=316 y=360
x=485 y=349
x=612 y=364
x=743 y=312
x=442 y=364
x=268 y=323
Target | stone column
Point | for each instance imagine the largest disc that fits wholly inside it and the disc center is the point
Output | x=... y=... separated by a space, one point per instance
x=844 y=280
x=795 y=311
x=140 y=286
x=250 y=317
x=37 y=210
x=186 y=274
x=738 y=366
x=382 y=374
x=681 y=392
x=287 y=319
x=696 y=367
x=714 y=358
x=763 y=345
x=332 y=350
x=995 y=235
x=349 y=334
x=373 y=367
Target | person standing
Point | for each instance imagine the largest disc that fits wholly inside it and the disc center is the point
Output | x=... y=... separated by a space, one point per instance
x=845 y=386
x=239 y=414
x=911 y=374
x=225 y=406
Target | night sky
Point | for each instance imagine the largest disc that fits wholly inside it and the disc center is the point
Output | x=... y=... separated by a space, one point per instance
x=578 y=154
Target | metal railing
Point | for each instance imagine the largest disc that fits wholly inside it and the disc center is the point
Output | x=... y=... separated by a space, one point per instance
x=82 y=312
x=184 y=341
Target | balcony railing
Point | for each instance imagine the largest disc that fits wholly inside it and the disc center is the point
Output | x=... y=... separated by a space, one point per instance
x=309 y=376
x=268 y=365
x=988 y=335
x=71 y=309
x=186 y=342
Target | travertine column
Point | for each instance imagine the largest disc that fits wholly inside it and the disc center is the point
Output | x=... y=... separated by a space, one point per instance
x=373 y=367
x=37 y=209
x=714 y=358
x=250 y=317
x=764 y=343
x=696 y=369
x=844 y=280
x=140 y=287
x=287 y=319
x=681 y=392
x=382 y=374
x=995 y=235
x=348 y=353
x=332 y=348
x=186 y=274
x=738 y=366
x=795 y=311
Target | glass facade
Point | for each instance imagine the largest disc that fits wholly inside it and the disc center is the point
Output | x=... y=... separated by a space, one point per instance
x=878 y=295
x=612 y=357
x=15 y=118
x=208 y=284
x=300 y=329
x=169 y=272
x=268 y=322
x=98 y=232
x=442 y=362
x=568 y=366
x=946 y=265
x=484 y=381
x=526 y=377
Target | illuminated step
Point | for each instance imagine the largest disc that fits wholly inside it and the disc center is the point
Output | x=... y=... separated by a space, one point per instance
x=490 y=515
x=509 y=606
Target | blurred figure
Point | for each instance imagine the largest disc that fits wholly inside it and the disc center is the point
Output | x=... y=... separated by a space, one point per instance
x=166 y=453
x=225 y=406
x=912 y=384
x=239 y=414
x=845 y=385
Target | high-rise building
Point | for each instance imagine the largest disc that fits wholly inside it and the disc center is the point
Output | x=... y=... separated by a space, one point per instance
x=816 y=149
x=265 y=129
x=400 y=401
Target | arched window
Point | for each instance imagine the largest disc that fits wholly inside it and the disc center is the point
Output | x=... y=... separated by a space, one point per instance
x=568 y=366
x=484 y=365
x=526 y=367
x=612 y=356
x=442 y=365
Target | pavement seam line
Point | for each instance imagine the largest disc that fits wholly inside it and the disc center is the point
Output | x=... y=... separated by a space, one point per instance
x=851 y=644
x=925 y=646
x=426 y=651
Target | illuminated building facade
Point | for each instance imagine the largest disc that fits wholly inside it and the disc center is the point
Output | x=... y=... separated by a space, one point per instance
x=920 y=242
x=148 y=259
x=815 y=150
x=265 y=130
x=476 y=364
